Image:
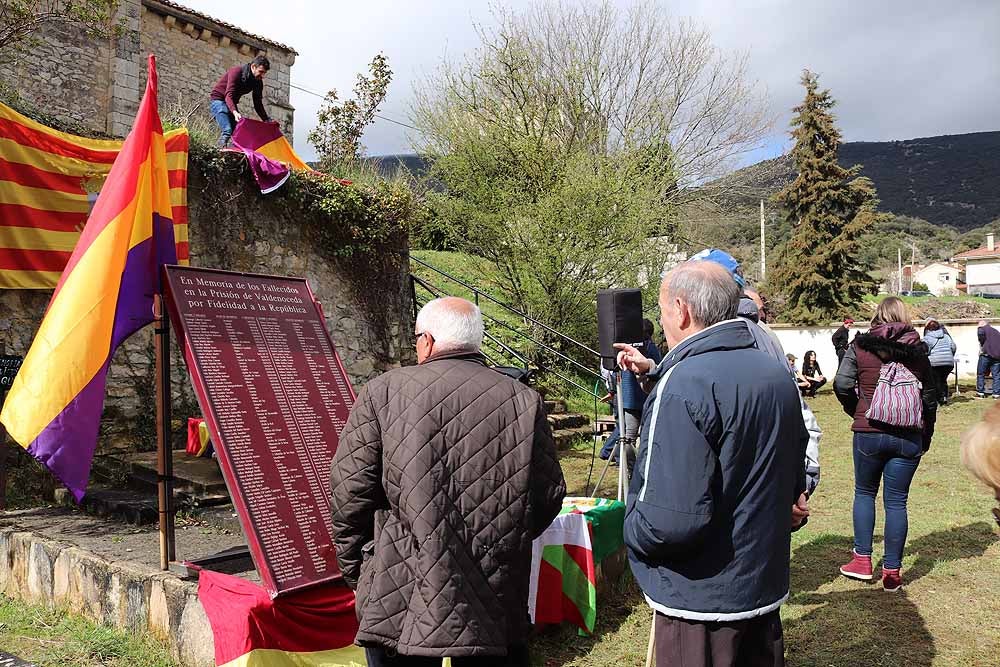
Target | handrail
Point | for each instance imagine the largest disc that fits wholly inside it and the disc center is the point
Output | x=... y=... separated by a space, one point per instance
x=504 y=305
x=436 y=291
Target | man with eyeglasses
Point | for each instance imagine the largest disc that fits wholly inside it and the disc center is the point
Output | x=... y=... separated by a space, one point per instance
x=445 y=473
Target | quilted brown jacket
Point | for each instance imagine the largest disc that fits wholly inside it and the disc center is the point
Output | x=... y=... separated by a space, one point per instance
x=444 y=474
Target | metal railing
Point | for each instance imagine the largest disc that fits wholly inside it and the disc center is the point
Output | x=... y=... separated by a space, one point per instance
x=548 y=358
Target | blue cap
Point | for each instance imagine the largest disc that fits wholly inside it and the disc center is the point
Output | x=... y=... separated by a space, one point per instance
x=724 y=259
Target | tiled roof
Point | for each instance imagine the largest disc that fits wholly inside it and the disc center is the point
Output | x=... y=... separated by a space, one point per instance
x=978 y=253
x=205 y=17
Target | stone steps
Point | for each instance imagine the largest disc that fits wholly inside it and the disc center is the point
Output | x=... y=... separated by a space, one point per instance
x=565 y=437
x=555 y=407
x=567 y=420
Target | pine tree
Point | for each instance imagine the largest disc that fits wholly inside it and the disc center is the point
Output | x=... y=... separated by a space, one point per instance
x=820 y=272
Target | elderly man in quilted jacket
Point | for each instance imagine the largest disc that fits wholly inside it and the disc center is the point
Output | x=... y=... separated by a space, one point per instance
x=445 y=473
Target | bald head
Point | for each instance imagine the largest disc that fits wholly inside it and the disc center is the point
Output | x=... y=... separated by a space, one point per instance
x=449 y=324
x=696 y=295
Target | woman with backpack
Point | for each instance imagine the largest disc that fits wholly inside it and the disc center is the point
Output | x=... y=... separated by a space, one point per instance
x=941 y=354
x=886 y=384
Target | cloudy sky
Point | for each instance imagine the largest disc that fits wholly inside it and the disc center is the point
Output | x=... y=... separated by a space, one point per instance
x=899 y=69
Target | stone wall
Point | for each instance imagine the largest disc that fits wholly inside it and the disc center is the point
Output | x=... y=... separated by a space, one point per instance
x=123 y=595
x=366 y=300
x=96 y=84
x=65 y=75
x=190 y=61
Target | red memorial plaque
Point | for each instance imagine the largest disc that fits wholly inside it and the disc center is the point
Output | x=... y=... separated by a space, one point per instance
x=275 y=398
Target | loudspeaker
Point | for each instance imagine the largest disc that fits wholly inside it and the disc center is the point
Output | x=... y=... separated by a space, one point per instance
x=619 y=320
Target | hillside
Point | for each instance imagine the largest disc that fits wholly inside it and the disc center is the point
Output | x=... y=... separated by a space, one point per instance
x=949 y=180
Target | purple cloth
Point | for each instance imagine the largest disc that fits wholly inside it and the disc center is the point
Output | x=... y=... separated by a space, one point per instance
x=247 y=137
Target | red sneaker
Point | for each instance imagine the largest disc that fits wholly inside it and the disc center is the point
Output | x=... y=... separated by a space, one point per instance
x=860 y=567
x=892 y=581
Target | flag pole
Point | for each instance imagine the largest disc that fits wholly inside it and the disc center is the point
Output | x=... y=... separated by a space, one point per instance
x=164 y=447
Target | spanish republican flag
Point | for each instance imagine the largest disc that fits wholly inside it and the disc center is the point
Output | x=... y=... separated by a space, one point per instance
x=44 y=202
x=104 y=295
x=310 y=628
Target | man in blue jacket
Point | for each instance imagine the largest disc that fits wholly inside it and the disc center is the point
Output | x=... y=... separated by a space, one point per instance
x=719 y=481
x=989 y=359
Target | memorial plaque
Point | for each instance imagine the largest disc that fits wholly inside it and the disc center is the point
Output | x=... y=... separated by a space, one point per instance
x=275 y=398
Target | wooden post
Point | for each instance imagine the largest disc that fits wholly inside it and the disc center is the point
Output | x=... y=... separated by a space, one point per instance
x=164 y=446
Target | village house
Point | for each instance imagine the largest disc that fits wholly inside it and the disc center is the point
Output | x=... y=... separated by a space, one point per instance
x=982 y=267
x=97 y=83
x=941 y=278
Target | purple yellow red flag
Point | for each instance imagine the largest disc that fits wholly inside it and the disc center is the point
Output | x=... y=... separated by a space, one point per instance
x=104 y=295
x=310 y=628
x=45 y=176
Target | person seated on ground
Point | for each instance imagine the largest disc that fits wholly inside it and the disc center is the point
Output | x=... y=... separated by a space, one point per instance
x=981 y=452
x=800 y=379
x=234 y=84
x=812 y=374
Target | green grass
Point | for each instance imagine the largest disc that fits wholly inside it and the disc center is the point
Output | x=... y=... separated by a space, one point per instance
x=948 y=614
x=57 y=638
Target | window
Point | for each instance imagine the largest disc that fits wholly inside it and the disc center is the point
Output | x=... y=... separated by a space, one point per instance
x=944 y=277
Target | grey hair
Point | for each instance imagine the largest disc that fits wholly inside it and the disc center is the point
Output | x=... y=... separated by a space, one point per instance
x=707 y=288
x=455 y=324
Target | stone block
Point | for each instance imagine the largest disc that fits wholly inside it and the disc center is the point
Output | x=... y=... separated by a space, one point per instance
x=40 y=567
x=196 y=644
x=190 y=29
x=224 y=41
x=205 y=35
x=245 y=49
x=158 y=618
x=169 y=21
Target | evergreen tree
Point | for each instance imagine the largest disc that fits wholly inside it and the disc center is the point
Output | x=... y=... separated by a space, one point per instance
x=820 y=270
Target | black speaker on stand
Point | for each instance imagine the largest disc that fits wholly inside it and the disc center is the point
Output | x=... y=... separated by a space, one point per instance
x=619 y=320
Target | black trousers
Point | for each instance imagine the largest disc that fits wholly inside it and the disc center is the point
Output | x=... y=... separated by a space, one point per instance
x=755 y=642
x=941 y=374
x=517 y=656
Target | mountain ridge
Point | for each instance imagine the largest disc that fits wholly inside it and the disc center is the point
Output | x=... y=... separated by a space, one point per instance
x=950 y=180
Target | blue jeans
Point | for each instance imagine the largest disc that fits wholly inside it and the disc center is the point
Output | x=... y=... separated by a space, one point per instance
x=993 y=366
x=878 y=456
x=224 y=117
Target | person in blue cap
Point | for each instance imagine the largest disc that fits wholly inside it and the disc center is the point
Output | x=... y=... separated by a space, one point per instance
x=768 y=342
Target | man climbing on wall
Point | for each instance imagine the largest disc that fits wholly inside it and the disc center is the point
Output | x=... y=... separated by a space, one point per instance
x=234 y=84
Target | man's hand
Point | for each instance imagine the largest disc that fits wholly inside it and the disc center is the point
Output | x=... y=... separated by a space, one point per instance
x=800 y=511
x=606 y=398
x=633 y=360
x=237 y=116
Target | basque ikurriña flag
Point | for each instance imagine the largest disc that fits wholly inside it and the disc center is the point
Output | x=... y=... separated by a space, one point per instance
x=104 y=295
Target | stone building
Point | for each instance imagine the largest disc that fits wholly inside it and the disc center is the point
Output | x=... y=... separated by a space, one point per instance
x=97 y=84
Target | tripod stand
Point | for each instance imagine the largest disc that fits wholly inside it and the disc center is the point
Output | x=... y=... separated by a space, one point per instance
x=626 y=445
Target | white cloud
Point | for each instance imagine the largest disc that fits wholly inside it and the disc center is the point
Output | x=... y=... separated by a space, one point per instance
x=898 y=68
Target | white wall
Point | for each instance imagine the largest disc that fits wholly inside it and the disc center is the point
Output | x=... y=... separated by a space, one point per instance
x=798 y=340
x=982 y=272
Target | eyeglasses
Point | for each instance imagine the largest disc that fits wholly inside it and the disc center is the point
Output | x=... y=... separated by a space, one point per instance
x=418 y=335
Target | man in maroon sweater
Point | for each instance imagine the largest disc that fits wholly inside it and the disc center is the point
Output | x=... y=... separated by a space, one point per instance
x=234 y=84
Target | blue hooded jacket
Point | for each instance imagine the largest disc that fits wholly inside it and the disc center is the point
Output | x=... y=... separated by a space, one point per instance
x=708 y=519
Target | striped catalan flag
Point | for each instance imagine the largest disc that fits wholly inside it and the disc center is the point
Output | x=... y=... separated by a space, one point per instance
x=44 y=203
x=104 y=295
x=314 y=627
